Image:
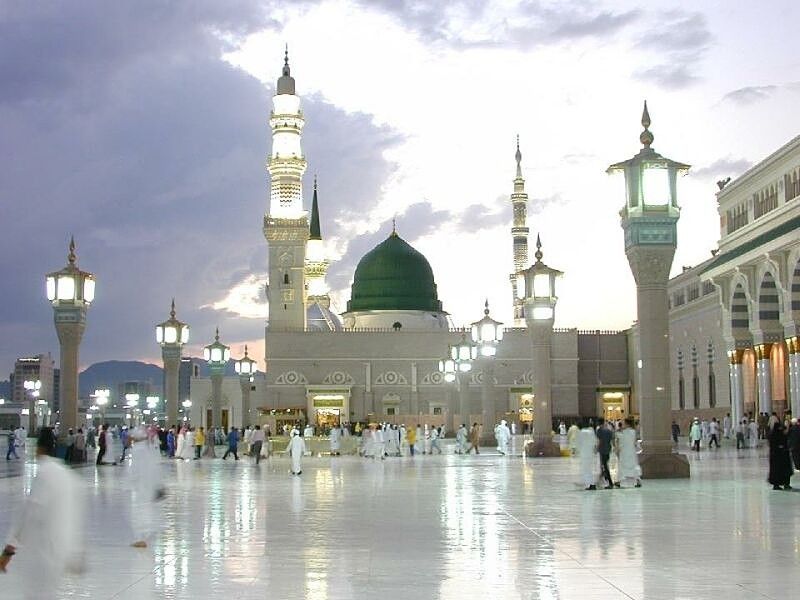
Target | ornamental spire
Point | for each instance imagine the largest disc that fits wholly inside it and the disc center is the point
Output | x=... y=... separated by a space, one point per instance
x=518 y=156
x=646 y=137
x=286 y=71
x=538 y=254
x=216 y=334
x=71 y=257
x=172 y=309
x=315 y=232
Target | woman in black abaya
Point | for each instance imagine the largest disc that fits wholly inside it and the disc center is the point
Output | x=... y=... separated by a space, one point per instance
x=780 y=464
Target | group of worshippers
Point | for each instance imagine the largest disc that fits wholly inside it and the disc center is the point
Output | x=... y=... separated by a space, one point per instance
x=381 y=440
x=704 y=431
x=594 y=446
x=784 y=452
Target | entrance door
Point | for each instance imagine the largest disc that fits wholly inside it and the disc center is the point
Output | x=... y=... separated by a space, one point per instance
x=225 y=419
x=328 y=417
x=209 y=418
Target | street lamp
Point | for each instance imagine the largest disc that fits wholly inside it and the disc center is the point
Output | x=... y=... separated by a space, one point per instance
x=462 y=355
x=101 y=399
x=487 y=334
x=70 y=291
x=187 y=404
x=32 y=387
x=649 y=221
x=132 y=403
x=246 y=367
x=539 y=306
x=171 y=335
x=217 y=355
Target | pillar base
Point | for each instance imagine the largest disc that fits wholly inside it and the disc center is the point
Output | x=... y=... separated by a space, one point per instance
x=542 y=447
x=664 y=466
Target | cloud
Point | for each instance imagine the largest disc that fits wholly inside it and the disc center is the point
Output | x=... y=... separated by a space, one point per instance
x=521 y=24
x=123 y=125
x=753 y=94
x=678 y=42
x=723 y=167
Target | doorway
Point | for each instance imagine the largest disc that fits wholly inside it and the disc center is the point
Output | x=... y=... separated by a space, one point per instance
x=225 y=419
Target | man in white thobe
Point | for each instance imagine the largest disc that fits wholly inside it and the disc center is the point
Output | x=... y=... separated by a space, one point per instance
x=627 y=458
x=726 y=426
x=147 y=486
x=48 y=534
x=20 y=435
x=296 y=449
x=461 y=439
x=587 y=453
x=335 y=440
x=752 y=429
x=503 y=435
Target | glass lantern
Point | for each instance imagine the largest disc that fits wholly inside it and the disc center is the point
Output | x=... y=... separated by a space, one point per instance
x=70 y=285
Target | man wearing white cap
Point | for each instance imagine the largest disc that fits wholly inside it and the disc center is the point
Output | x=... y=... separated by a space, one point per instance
x=296 y=449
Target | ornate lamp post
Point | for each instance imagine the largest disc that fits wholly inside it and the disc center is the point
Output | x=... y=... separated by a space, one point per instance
x=487 y=334
x=649 y=220
x=187 y=406
x=172 y=334
x=217 y=355
x=70 y=291
x=246 y=368
x=101 y=400
x=539 y=302
x=33 y=389
x=455 y=367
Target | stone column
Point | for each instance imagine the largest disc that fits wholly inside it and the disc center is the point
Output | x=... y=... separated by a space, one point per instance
x=737 y=386
x=793 y=347
x=542 y=341
x=650 y=267
x=246 y=416
x=764 y=376
x=69 y=337
x=464 y=408
x=487 y=396
x=171 y=355
x=216 y=395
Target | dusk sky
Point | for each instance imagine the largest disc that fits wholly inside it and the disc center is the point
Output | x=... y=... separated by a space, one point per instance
x=141 y=129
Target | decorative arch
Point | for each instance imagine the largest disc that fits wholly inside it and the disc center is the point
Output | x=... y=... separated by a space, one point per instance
x=769 y=308
x=740 y=312
x=794 y=288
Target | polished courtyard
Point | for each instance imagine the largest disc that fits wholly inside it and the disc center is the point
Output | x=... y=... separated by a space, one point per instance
x=444 y=527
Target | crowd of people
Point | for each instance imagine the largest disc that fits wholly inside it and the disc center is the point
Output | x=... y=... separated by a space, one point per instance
x=594 y=445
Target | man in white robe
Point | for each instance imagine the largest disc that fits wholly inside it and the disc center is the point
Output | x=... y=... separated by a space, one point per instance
x=188 y=445
x=379 y=443
x=572 y=439
x=48 y=534
x=419 y=443
x=627 y=458
x=503 y=435
x=335 y=440
x=587 y=454
x=403 y=440
x=20 y=436
x=752 y=429
x=147 y=486
x=295 y=450
x=461 y=439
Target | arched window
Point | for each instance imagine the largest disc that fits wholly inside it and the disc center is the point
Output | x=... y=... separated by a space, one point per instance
x=695 y=379
x=286 y=278
x=681 y=389
x=712 y=382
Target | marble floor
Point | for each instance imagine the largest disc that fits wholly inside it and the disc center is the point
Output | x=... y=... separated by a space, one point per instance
x=433 y=527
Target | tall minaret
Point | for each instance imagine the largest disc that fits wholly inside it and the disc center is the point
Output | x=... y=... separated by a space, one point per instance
x=519 y=234
x=316 y=262
x=286 y=224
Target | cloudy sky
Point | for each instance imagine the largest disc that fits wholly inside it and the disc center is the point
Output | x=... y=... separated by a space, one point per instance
x=141 y=128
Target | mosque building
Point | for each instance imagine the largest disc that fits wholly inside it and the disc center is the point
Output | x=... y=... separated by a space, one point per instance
x=732 y=319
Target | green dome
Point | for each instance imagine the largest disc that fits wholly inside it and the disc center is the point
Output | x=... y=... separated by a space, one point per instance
x=394 y=276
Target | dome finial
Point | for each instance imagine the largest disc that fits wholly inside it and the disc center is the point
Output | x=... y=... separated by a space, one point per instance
x=245 y=350
x=216 y=334
x=394 y=226
x=286 y=61
x=71 y=257
x=172 y=309
x=646 y=137
x=314 y=231
x=486 y=307
x=538 y=253
x=518 y=156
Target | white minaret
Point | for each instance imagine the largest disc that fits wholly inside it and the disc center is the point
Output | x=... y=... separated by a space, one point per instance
x=286 y=224
x=519 y=234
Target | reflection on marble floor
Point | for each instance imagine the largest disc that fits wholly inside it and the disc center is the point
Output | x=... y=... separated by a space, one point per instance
x=447 y=527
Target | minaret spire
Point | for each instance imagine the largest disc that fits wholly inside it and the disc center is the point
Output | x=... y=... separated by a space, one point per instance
x=314 y=229
x=286 y=70
x=519 y=235
x=646 y=137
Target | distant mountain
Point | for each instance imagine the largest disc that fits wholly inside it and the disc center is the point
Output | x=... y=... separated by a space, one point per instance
x=113 y=372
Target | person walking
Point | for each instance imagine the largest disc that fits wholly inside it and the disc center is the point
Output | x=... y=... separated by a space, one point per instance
x=793 y=441
x=474 y=438
x=12 y=446
x=605 y=438
x=256 y=443
x=628 y=460
x=79 y=447
x=780 y=464
x=713 y=433
x=461 y=439
x=740 y=431
x=695 y=435
x=752 y=429
x=50 y=544
x=102 y=441
x=335 y=439
x=587 y=455
x=676 y=432
x=21 y=437
x=233 y=444
x=435 y=440
x=296 y=449
x=199 y=441
x=726 y=426
x=188 y=444
x=411 y=435
x=572 y=438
